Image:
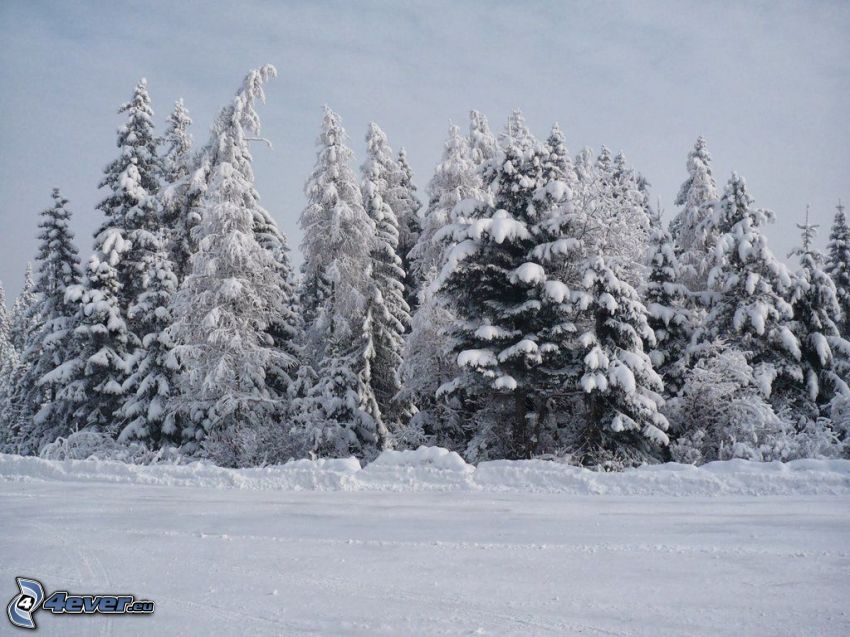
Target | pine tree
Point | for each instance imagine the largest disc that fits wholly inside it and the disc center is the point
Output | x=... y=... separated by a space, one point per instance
x=177 y=166
x=48 y=347
x=691 y=228
x=666 y=303
x=407 y=206
x=8 y=364
x=622 y=390
x=558 y=165
x=825 y=354
x=749 y=287
x=390 y=312
x=339 y=414
x=838 y=266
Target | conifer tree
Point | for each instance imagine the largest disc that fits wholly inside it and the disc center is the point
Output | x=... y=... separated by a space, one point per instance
x=8 y=364
x=339 y=413
x=825 y=358
x=838 y=266
x=24 y=319
x=666 y=303
x=407 y=205
x=622 y=390
x=691 y=228
x=750 y=287
x=48 y=346
x=482 y=142
x=510 y=313
x=390 y=313
x=558 y=165
x=132 y=182
x=177 y=165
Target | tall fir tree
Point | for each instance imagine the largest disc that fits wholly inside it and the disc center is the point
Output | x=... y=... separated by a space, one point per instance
x=623 y=421
x=132 y=183
x=228 y=304
x=691 y=228
x=510 y=315
x=838 y=266
x=482 y=143
x=390 y=312
x=666 y=299
x=825 y=356
x=338 y=415
x=407 y=206
x=558 y=164
x=58 y=270
x=8 y=364
x=24 y=319
x=177 y=163
x=749 y=291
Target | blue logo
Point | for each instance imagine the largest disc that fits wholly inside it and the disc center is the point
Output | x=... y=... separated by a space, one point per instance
x=22 y=607
x=32 y=598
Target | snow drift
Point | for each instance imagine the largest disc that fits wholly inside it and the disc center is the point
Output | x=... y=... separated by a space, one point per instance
x=436 y=469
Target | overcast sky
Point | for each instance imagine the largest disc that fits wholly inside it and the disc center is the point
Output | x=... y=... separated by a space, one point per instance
x=767 y=83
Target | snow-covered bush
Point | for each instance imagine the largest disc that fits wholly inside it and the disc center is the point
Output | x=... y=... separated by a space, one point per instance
x=90 y=445
x=722 y=414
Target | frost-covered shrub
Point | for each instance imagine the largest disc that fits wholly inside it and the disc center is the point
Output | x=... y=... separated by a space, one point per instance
x=90 y=445
x=721 y=413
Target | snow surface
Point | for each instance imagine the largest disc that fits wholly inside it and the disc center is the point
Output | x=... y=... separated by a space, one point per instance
x=421 y=543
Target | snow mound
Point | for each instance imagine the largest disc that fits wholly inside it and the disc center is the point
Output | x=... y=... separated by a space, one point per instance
x=436 y=469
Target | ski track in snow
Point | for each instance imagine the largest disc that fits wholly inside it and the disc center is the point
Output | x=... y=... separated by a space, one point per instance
x=262 y=561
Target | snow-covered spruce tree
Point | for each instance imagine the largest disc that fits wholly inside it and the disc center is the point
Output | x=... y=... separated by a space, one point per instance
x=132 y=182
x=665 y=297
x=48 y=347
x=153 y=378
x=88 y=384
x=838 y=266
x=339 y=414
x=177 y=165
x=24 y=319
x=691 y=229
x=825 y=356
x=510 y=316
x=406 y=205
x=390 y=312
x=558 y=164
x=622 y=391
x=482 y=143
x=8 y=364
x=428 y=358
x=222 y=313
x=749 y=291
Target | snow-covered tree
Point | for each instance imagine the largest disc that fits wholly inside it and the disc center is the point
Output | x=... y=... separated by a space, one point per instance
x=132 y=182
x=750 y=287
x=48 y=346
x=8 y=364
x=558 y=164
x=175 y=212
x=390 y=312
x=838 y=266
x=666 y=297
x=510 y=315
x=482 y=143
x=825 y=358
x=228 y=310
x=339 y=414
x=691 y=228
x=24 y=320
x=88 y=384
x=406 y=204
x=622 y=392
x=153 y=378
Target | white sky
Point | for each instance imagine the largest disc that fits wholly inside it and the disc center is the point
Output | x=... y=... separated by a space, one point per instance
x=767 y=83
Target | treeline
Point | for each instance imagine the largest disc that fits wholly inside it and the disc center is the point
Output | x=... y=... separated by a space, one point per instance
x=533 y=305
